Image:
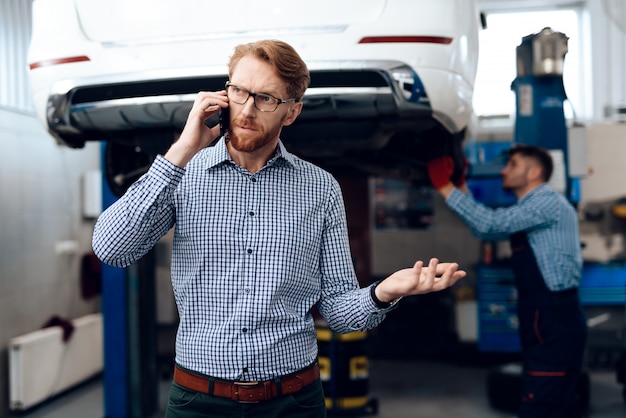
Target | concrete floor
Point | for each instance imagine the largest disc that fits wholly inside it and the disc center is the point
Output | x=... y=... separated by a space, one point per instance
x=441 y=389
x=401 y=388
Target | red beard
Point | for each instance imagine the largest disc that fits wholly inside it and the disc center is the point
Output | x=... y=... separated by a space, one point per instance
x=252 y=141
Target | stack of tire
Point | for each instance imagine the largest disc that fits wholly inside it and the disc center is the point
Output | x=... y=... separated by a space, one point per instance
x=344 y=371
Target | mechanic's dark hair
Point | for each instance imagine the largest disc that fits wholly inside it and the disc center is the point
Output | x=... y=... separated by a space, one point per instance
x=290 y=67
x=541 y=155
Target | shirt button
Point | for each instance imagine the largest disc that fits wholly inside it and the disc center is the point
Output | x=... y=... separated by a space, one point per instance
x=253 y=179
x=245 y=370
x=251 y=213
x=244 y=330
x=247 y=290
x=249 y=250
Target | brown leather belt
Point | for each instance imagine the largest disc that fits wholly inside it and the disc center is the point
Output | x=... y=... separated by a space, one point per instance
x=248 y=392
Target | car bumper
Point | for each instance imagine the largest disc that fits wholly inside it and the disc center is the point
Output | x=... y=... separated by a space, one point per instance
x=360 y=104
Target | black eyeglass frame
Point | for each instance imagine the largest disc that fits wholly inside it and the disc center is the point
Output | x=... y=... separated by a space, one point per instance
x=254 y=95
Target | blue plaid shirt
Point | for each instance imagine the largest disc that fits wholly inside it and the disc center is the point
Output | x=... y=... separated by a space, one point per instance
x=252 y=254
x=550 y=223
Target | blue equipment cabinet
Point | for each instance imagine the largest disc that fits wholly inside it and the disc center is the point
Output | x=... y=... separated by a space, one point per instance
x=497 y=309
x=602 y=285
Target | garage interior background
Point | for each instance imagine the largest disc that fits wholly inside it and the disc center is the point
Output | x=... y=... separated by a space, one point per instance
x=45 y=230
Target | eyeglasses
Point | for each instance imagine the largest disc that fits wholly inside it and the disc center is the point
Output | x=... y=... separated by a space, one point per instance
x=263 y=102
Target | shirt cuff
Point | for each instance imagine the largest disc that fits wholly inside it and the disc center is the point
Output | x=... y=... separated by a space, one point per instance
x=454 y=197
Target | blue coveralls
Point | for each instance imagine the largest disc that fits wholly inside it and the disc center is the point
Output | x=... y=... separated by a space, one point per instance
x=553 y=333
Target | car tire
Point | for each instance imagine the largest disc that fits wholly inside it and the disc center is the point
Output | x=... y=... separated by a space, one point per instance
x=125 y=161
x=504 y=385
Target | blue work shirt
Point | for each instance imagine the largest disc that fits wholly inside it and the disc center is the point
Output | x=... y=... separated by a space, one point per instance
x=252 y=255
x=550 y=223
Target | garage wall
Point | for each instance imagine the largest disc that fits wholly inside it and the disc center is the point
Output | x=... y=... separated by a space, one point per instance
x=603 y=233
x=40 y=205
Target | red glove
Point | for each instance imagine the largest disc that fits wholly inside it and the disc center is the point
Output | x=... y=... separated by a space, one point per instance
x=459 y=180
x=440 y=170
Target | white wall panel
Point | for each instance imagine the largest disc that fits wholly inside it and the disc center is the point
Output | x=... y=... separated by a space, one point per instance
x=15 y=28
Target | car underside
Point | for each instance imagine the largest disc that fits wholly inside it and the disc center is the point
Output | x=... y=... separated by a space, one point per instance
x=356 y=122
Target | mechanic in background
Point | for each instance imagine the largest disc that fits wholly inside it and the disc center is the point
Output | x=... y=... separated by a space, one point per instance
x=547 y=264
x=260 y=240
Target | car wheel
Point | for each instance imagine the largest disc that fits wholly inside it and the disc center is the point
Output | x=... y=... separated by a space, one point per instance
x=126 y=161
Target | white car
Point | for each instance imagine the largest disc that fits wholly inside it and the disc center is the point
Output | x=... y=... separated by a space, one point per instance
x=391 y=80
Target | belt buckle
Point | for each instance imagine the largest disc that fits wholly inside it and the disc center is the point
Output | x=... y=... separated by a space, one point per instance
x=247 y=385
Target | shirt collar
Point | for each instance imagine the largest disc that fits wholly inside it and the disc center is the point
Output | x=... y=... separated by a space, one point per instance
x=534 y=191
x=218 y=154
x=282 y=153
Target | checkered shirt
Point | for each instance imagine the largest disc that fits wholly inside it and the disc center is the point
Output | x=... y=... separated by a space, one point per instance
x=252 y=255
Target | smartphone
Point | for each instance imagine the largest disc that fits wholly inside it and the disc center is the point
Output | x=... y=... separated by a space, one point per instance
x=224 y=120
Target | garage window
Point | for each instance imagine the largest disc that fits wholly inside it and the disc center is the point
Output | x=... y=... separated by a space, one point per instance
x=497 y=60
x=14 y=37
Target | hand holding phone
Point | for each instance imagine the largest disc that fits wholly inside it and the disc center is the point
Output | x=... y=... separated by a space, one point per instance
x=224 y=120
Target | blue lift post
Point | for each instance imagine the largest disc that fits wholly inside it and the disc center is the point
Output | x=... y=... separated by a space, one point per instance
x=114 y=311
x=128 y=308
x=540 y=94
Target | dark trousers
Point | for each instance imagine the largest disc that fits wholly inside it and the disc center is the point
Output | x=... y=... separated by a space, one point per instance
x=553 y=333
x=307 y=403
x=553 y=352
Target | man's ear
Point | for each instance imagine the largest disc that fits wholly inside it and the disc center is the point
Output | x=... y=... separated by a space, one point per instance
x=294 y=112
x=535 y=173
